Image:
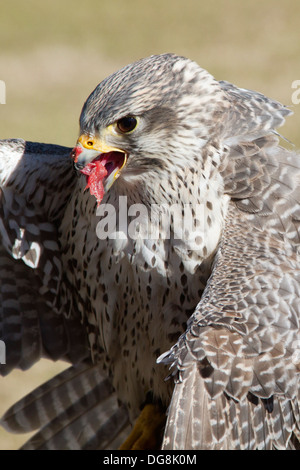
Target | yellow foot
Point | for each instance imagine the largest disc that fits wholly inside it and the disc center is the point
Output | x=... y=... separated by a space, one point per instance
x=147 y=431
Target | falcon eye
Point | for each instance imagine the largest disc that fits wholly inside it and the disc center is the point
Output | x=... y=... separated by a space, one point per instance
x=126 y=124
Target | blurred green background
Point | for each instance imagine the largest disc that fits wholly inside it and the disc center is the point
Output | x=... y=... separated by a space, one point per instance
x=53 y=54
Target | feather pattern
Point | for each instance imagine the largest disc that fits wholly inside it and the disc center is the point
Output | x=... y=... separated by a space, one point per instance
x=224 y=304
x=243 y=332
x=77 y=409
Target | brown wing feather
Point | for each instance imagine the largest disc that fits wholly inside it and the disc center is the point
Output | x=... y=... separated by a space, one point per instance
x=241 y=344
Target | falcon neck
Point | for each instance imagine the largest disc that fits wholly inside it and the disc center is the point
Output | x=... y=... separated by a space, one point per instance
x=186 y=208
x=188 y=184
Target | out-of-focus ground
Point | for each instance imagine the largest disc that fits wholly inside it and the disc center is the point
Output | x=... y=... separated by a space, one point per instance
x=53 y=54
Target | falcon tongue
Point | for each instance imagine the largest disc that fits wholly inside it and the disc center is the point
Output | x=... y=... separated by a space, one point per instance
x=95 y=173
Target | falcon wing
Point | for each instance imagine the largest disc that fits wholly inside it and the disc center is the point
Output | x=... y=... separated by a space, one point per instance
x=78 y=408
x=237 y=365
x=36 y=181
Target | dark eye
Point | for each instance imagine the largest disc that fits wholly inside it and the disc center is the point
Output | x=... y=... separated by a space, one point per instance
x=126 y=124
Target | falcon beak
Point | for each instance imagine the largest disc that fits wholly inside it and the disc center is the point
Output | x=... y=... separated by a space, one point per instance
x=89 y=149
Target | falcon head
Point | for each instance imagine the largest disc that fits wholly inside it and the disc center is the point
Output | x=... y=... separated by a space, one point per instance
x=150 y=116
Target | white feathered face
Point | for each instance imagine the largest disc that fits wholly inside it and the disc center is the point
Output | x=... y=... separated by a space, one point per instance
x=150 y=116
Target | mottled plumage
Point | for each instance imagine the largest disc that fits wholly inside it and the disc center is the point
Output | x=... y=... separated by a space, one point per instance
x=217 y=309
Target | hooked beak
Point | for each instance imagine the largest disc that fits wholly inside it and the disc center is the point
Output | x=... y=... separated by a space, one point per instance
x=90 y=150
